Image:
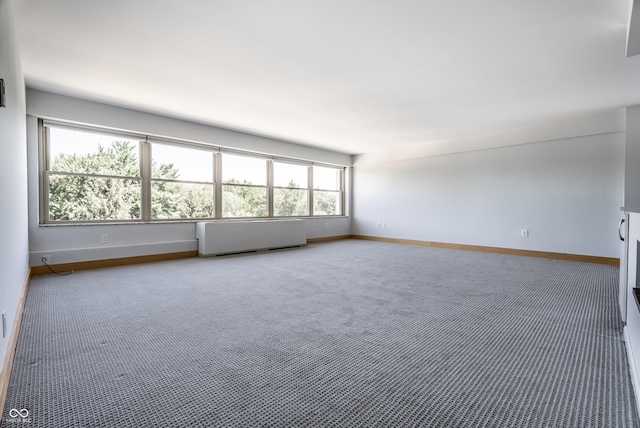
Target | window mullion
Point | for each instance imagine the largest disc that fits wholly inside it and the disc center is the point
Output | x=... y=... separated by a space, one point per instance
x=310 y=186
x=342 y=192
x=269 y=188
x=145 y=183
x=44 y=138
x=217 y=179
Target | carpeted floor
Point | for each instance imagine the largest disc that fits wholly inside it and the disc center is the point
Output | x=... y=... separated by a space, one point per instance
x=342 y=334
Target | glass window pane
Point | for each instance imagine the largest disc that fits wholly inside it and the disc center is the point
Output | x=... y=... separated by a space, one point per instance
x=290 y=202
x=326 y=203
x=92 y=153
x=244 y=201
x=181 y=200
x=93 y=198
x=290 y=175
x=326 y=178
x=181 y=163
x=244 y=170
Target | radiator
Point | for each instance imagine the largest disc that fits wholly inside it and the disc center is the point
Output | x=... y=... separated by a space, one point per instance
x=229 y=237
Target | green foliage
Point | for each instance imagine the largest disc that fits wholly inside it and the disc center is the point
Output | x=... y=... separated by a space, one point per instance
x=239 y=200
x=325 y=203
x=290 y=202
x=85 y=197
x=78 y=197
x=181 y=200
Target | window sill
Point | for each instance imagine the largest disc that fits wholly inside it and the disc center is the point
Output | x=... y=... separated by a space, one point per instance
x=177 y=221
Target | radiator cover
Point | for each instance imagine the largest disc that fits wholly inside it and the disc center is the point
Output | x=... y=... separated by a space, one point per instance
x=228 y=237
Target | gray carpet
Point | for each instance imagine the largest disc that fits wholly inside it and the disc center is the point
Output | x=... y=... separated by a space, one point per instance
x=342 y=334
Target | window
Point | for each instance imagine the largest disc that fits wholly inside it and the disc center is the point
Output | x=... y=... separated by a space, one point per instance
x=182 y=182
x=91 y=175
x=244 y=186
x=327 y=190
x=290 y=189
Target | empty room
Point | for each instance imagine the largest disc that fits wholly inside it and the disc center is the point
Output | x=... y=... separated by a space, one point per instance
x=314 y=213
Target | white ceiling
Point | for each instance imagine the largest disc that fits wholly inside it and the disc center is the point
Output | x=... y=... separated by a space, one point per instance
x=355 y=76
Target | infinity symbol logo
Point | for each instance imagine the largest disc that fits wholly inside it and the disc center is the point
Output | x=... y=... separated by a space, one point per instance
x=14 y=413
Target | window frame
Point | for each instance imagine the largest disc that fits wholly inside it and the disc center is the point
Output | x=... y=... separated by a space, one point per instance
x=267 y=186
x=145 y=180
x=148 y=165
x=46 y=172
x=308 y=189
x=341 y=191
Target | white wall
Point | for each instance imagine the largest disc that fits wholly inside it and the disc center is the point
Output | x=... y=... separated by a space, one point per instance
x=567 y=192
x=54 y=106
x=632 y=158
x=13 y=176
x=67 y=244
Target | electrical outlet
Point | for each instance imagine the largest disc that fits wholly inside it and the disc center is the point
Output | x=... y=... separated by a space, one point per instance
x=46 y=259
x=524 y=233
x=105 y=238
x=382 y=225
